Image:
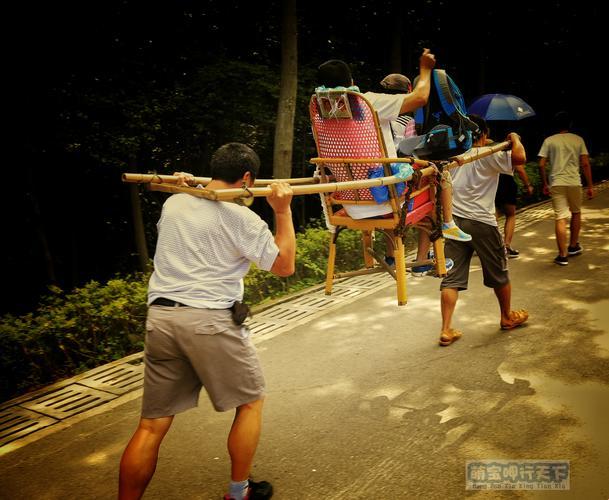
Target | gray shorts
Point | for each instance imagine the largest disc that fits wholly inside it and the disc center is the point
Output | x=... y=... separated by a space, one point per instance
x=187 y=348
x=488 y=244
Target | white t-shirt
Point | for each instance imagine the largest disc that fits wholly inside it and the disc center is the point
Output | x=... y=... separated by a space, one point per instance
x=475 y=186
x=387 y=107
x=563 y=152
x=204 y=249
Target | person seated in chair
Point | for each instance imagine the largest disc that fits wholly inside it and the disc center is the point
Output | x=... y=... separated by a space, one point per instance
x=403 y=127
x=336 y=73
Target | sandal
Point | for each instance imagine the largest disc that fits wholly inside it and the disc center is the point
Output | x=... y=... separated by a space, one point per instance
x=449 y=336
x=517 y=318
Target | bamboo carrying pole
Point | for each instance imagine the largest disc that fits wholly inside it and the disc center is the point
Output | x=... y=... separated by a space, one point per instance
x=172 y=179
x=476 y=153
x=241 y=194
x=167 y=183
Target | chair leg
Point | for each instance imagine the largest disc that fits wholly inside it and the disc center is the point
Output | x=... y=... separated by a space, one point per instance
x=367 y=241
x=400 y=271
x=438 y=250
x=330 y=268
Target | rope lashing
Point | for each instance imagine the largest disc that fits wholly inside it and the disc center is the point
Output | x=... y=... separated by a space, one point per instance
x=402 y=228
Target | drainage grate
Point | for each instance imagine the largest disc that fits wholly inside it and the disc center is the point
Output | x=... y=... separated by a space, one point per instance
x=117 y=379
x=368 y=281
x=285 y=313
x=258 y=327
x=313 y=301
x=17 y=422
x=346 y=292
x=68 y=401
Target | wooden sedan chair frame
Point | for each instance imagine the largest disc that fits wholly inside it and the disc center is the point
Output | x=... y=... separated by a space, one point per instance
x=349 y=144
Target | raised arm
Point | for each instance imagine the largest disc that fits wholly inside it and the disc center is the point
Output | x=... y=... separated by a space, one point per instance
x=420 y=94
x=519 y=155
x=285 y=237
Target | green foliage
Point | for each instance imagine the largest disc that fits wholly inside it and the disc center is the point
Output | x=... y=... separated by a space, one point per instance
x=98 y=323
x=599 y=164
x=311 y=261
x=69 y=333
x=523 y=199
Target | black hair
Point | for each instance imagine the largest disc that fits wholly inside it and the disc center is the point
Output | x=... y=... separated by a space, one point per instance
x=334 y=73
x=230 y=162
x=562 y=121
x=482 y=127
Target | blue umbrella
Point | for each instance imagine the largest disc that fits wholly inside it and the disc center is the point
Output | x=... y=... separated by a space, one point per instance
x=500 y=107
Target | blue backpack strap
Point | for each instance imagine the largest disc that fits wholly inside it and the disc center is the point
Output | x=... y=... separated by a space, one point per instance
x=449 y=94
x=451 y=99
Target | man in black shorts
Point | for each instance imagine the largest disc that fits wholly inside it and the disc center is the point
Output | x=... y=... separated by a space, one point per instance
x=505 y=203
x=474 y=213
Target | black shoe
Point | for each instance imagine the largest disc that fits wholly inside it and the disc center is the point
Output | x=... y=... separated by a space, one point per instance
x=511 y=253
x=576 y=250
x=256 y=491
x=259 y=490
x=561 y=261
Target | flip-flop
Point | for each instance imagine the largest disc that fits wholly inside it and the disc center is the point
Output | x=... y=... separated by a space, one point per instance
x=449 y=336
x=518 y=318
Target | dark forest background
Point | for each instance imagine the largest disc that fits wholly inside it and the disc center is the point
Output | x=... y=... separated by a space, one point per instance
x=96 y=88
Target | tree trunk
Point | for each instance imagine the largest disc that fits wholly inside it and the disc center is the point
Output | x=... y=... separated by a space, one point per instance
x=138 y=224
x=45 y=249
x=284 y=130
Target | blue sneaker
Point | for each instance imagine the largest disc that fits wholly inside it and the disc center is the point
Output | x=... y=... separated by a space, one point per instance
x=390 y=261
x=430 y=269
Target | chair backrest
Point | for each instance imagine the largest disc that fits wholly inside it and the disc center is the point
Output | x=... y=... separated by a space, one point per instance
x=345 y=125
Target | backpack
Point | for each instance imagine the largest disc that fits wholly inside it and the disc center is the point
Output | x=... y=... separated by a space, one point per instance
x=442 y=125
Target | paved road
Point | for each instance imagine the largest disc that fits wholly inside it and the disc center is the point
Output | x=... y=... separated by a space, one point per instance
x=363 y=404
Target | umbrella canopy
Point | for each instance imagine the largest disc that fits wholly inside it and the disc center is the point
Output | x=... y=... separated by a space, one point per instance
x=500 y=107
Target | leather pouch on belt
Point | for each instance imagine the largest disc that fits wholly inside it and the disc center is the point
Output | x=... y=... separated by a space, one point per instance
x=240 y=312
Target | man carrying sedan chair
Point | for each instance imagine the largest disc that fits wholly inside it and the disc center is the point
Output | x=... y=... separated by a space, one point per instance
x=474 y=212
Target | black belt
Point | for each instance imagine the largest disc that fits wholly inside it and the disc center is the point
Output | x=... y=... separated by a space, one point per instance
x=166 y=302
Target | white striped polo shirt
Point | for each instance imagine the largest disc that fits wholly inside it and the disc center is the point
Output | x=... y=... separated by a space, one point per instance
x=204 y=249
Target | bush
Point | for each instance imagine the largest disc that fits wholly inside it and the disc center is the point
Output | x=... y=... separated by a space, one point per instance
x=311 y=260
x=72 y=332
x=95 y=324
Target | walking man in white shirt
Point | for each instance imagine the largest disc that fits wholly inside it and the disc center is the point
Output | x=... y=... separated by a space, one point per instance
x=474 y=188
x=565 y=153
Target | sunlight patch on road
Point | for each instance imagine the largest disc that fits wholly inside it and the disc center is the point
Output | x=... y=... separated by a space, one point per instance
x=389 y=392
x=588 y=402
x=344 y=387
x=456 y=433
x=101 y=456
x=599 y=317
x=462 y=403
